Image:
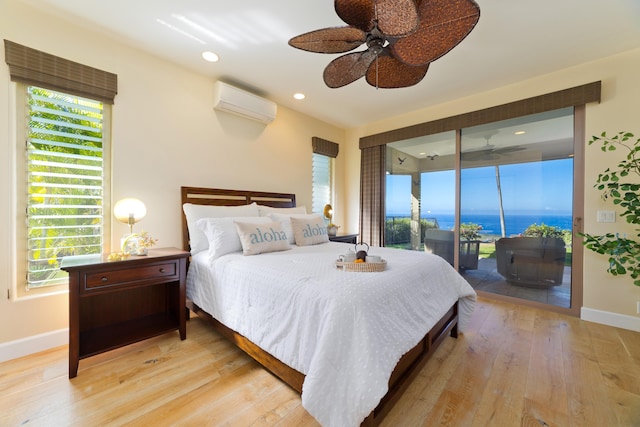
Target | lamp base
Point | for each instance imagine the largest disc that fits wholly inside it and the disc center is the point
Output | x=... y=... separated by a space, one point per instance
x=129 y=245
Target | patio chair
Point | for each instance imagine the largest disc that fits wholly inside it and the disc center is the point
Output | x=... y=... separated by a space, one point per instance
x=440 y=242
x=531 y=261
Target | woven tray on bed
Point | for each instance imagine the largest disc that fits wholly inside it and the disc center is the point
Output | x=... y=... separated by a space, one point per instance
x=362 y=266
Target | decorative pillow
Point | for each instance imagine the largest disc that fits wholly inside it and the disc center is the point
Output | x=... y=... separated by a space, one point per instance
x=285 y=220
x=266 y=210
x=222 y=233
x=197 y=240
x=260 y=238
x=309 y=231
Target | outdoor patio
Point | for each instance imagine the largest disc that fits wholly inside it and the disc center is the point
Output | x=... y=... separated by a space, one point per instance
x=487 y=279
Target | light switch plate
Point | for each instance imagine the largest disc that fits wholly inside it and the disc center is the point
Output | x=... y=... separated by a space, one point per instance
x=606 y=216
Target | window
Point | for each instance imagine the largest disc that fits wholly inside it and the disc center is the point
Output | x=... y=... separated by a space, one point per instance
x=324 y=153
x=322 y=172
x=63 y=179
x=62 y=125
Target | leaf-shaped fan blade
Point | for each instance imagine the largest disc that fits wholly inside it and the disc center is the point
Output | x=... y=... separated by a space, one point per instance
x=389 y=73
x=443 y=24
x=395 y=17
x=358 y=13
x=330 y=40
x=347 y=68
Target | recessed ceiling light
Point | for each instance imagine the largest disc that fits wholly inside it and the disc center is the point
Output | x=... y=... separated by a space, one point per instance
x=210 y=56
x=299 y=96
x=520 y=132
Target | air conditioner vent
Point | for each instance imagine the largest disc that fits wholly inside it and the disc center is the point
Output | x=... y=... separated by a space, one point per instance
x=232 y=100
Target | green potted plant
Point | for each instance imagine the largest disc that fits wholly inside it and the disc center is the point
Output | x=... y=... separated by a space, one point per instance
x=621 y=187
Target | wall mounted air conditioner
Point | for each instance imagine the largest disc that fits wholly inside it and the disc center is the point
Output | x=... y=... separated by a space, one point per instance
x=230 y=99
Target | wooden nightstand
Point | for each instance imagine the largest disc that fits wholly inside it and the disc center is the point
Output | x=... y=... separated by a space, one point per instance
x=345 y=238
x=116 y=303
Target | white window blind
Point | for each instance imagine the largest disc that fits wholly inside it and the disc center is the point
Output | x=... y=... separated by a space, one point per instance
x=65 y=185
x=321 y=191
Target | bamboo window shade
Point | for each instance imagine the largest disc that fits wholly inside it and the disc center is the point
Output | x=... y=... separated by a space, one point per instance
x=571 y=97
x=324 y=147
x=372 y=195
x=38 y=68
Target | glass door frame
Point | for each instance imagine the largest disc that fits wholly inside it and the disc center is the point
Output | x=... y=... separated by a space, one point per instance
x=576 y=97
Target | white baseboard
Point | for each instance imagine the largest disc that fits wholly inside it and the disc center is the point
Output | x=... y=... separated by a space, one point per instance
x=25 y=346
x=611 y=319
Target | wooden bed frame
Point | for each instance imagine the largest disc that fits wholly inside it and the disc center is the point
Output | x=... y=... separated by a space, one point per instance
x=404 y=370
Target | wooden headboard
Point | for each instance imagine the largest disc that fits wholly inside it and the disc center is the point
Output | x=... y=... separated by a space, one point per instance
x=220 y=197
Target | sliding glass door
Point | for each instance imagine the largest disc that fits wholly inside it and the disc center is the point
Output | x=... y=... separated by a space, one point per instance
x=516 y=192
x=506 y=222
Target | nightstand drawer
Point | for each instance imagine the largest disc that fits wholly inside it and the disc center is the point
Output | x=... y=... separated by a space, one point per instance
x=100 y=280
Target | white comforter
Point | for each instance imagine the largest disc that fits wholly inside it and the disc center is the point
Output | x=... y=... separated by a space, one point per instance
x=345 y=331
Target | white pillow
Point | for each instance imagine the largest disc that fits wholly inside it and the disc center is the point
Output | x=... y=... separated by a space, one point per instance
x=285 y=220
x=222 y=234
x=260 y=238
x=197 y=240
x=309 y=231
x=266 y=210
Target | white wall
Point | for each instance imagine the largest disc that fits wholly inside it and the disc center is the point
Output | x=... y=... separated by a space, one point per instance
x=165 y=134
x=607 y=299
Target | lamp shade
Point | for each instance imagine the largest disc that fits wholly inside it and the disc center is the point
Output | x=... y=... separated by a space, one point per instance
x=129 y=211
x=328 y=212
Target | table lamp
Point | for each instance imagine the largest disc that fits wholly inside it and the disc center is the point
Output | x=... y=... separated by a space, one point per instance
x=129 y=211
x=332 y=229
x=328 y=212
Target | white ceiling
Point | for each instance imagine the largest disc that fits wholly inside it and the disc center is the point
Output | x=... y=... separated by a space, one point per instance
x=514 y=40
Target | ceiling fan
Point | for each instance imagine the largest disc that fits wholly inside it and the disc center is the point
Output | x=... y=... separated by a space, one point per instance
x=402 y=38
x=488 y=151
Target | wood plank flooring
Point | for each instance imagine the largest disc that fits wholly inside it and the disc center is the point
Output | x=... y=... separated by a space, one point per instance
x=515 y=366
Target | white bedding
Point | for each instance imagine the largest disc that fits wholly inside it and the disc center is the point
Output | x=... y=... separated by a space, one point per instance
x=345 y=331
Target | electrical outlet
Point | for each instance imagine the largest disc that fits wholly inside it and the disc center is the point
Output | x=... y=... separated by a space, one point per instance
x=606 y=216
x=638 y=306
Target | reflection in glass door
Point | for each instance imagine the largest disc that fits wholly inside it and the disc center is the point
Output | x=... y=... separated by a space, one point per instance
x=420 y=194
x=516 y=194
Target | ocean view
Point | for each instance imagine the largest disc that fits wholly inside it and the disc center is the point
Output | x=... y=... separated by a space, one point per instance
x=514 y=223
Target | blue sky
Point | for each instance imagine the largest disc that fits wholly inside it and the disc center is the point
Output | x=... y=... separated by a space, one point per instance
x=540 y=187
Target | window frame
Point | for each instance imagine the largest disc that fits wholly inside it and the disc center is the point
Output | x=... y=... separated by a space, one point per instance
x=319 y=209
x=20 y=185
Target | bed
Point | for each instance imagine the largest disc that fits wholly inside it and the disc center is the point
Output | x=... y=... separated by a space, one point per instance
x=350 y=353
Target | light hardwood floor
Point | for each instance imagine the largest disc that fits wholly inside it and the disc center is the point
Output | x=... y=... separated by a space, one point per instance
x=515 y=366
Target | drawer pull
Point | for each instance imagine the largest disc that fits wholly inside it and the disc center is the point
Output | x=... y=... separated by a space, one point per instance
x=162 y=270
x=104 y=278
